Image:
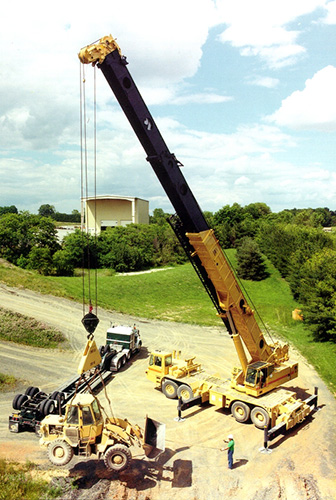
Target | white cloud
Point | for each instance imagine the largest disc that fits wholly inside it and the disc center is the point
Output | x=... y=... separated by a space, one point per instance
x=264 y=81
x=314 y=107
x=261 y=28
x=331 y=13
x=206 y=98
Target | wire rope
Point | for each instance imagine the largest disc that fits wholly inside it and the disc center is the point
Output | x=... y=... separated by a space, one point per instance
x=85 y=237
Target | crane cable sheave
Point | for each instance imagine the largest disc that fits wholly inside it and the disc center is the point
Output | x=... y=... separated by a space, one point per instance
x=97 y=51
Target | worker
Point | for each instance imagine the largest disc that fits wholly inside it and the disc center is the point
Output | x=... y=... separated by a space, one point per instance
x=230 y=449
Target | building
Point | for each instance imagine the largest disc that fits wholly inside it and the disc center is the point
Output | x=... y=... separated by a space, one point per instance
x=110 y=211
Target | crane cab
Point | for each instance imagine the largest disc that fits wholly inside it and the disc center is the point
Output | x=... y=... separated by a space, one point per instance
x=262 y=377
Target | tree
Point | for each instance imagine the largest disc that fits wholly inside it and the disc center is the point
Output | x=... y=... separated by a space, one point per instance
x=47 y=210
x=20 y=233
x=251 y=262
x=81 y=249
x=8 y=210
x=127 y=248
x=318 y=294
x=159 y=217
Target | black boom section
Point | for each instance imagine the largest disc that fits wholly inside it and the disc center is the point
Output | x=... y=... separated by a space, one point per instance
x=164 y=163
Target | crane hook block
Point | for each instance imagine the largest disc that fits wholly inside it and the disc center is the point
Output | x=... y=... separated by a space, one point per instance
x=90 y=322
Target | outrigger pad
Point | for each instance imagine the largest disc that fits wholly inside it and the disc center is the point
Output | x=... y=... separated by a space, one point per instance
x=90 y=322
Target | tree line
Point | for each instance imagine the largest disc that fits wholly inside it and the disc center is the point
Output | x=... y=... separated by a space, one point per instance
x=293 y=240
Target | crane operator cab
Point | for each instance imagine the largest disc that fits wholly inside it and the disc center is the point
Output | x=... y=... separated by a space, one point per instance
x=262 y=377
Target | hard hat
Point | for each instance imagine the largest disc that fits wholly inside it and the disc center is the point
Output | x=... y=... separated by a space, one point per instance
x=230 y=436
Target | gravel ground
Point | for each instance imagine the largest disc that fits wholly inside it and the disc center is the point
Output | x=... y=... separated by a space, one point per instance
x=299 y=465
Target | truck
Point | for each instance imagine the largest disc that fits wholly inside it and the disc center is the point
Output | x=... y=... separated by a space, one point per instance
x=264 y=367
x=122 y=342
x=83 y=431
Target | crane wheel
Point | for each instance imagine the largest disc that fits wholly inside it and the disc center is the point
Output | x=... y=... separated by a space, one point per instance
x=260 y=417
x=117 y=457
x=240 y=411
x=169 y=389
x=185 y=392
x=60 y=452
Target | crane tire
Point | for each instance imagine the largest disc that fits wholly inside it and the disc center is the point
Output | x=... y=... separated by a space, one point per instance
x=169 y=389
x=117 y=458
x=185 y=392
x=260 y=418
x=60 y=452
x=240 y=411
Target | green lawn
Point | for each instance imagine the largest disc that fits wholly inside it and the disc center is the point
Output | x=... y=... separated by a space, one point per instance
x=176 y=294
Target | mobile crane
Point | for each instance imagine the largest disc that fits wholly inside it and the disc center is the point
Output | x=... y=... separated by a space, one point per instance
x=269 y=366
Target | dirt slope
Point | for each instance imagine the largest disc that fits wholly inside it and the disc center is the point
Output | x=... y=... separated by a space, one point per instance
x=301 y=465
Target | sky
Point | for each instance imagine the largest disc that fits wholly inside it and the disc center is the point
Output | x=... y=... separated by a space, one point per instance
x=244 y=94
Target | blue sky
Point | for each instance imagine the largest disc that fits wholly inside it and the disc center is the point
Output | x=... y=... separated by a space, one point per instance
x=243 y=93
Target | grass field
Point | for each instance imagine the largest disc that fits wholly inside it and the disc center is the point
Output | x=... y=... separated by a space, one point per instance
x=176 y=294
x=17 y=482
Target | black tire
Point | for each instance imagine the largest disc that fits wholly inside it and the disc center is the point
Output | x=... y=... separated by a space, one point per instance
x=41 y=406
x=49 y=407
x=185 y=392
x=123 y=360
x=60 y=452
x=260 y=418
x=32 y=391
x=117 y=458
x=22 y=399
x=15 y=400
x=169 y=389
x=54 y=395
x=118 y=364
x=240 y=411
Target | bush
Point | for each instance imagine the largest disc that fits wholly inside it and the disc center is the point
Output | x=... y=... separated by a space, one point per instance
x=62 y=263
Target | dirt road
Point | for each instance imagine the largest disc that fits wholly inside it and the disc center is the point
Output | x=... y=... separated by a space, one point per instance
x=300 y=465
